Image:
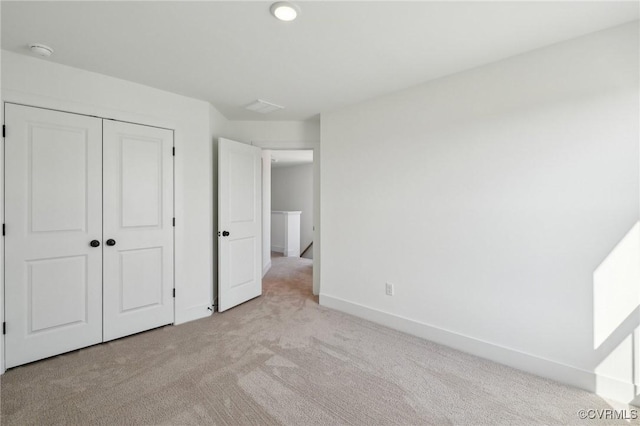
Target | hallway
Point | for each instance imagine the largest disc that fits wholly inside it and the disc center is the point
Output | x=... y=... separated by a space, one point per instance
x=289 y=278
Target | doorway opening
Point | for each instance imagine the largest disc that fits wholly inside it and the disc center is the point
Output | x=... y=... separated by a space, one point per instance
x=288 y=200
x=245 y=217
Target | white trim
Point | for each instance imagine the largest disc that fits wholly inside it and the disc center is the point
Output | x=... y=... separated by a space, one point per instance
x=522 y=361
x=266 y=268
x=63 y=105
x=315 y=146
x=277 y=249
x=2 y=338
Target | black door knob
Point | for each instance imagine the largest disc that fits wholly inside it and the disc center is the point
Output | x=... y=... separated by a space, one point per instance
x=225 y=233
x=94 y=243
x=111 y=242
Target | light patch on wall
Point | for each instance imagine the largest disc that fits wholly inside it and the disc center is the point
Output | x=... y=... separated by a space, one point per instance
x=616 y=319
x=616 y=289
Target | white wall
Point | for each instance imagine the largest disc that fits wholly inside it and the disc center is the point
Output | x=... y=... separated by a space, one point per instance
x=278 y=233
x=292 y=190
x=38 y=82
x=266 y=211
x=491 y=199
x=287 y=132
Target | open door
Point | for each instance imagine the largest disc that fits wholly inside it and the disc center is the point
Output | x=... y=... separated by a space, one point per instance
x=239 y=223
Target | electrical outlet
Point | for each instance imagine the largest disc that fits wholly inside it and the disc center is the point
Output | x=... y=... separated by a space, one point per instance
x=389 y=289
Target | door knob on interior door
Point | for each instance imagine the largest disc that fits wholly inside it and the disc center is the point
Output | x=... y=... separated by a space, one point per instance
x=111 y=242
x=225 y=233
x=94 y=243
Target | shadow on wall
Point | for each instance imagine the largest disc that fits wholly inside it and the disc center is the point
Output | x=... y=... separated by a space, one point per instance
x=616 y=320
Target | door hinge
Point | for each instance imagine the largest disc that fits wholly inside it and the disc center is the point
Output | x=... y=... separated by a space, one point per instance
x=174 y=151
x=4 y=130
x=174 y=221
x=3 y=233
x=4 y=328
x=174 y=292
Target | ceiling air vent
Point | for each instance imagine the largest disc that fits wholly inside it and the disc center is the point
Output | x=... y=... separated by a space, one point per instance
x=263 y=107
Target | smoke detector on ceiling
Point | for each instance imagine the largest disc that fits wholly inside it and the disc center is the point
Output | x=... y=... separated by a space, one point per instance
x=263 y=107
x=41 y=50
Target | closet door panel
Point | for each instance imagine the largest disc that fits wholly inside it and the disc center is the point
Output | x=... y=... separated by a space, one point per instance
x=53 y=210
x=138 y=228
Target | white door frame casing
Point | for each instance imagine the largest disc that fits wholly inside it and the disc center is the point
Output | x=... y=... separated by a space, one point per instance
x=301 y=145
x=37 y=101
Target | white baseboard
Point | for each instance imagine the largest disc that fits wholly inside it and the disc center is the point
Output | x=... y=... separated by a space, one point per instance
x=553 y=370
x=266 y=268
x=277 y=249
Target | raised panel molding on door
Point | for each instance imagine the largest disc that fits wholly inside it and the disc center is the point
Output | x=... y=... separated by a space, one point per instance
x=239 y=222
x=53 y=208
x=138 y=228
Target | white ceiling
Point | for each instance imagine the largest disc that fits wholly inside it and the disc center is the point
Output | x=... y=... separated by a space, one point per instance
x=336 y=53
x=285 y=158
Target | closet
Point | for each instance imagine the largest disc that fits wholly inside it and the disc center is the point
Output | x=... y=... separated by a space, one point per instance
x=89 y=231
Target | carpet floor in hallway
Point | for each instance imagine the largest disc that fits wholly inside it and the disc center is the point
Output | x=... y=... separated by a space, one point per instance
x=282 y=359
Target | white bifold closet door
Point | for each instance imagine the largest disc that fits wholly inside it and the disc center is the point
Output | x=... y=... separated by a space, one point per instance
x=53 y=211
x=138 y=228
x=89 y=233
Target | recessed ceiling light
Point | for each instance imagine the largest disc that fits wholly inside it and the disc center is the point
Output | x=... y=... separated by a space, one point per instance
x=285 y=11
x=41 y=49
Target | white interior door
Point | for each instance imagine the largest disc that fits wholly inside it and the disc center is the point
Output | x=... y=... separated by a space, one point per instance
x=239 y=223
x=53 y=210
x=138 y=228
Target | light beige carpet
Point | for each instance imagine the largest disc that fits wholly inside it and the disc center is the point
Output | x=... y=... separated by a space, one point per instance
x=282 y=359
